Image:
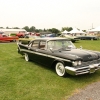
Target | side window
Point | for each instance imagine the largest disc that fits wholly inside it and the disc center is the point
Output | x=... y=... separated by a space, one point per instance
x=50 y=44
x=42 y=45
x=35 y=44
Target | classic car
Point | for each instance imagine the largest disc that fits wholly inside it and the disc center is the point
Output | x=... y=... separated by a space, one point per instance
x=72 y=38
x=20 y=34
x=88 y=37
x=27 y=39
x=5 y=38
x=61 y=54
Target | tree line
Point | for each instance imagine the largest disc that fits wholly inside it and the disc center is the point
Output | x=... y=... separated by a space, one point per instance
x=34 y=29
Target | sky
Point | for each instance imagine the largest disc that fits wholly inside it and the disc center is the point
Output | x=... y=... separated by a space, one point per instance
x=81 y=14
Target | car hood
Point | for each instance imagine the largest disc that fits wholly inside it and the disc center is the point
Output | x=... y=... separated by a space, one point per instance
x=84 y=55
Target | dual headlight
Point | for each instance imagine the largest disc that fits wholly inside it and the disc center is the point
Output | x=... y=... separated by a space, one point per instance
x=76 y=63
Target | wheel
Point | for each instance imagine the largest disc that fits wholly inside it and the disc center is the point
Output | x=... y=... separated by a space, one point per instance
x=60 y=69
x=26 y=57
x=18 y=49
x=73 y=41
x=28 y=42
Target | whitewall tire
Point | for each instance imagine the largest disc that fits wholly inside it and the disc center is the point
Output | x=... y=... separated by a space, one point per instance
x=26 y=57
x=60 y=69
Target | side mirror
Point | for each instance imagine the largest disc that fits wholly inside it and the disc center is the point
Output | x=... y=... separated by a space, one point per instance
x=51 y=49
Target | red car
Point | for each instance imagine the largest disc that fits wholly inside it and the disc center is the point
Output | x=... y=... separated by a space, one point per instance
x=20 y=35
x=4 y=38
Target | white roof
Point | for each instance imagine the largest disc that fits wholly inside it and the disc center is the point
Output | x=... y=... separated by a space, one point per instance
x=5 y=30
x=95 y=30
x=65 y=31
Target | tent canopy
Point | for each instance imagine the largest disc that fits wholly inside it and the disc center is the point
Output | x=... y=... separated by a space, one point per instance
x=65 y=32
x=97 y=29
x=75 y=30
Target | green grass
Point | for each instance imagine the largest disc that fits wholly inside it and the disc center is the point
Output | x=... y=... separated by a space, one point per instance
x=21 y=80
x=89 y=44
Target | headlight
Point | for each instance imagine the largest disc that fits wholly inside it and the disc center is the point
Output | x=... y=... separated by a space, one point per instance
x=75 y=63
x=79 y=62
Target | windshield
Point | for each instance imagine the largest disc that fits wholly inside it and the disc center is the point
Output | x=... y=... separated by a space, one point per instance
x=60 y=44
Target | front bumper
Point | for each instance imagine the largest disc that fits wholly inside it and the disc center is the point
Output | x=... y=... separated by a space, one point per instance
x=82 y=70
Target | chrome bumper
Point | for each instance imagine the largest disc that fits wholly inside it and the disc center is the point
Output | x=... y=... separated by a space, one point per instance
x=82 y=70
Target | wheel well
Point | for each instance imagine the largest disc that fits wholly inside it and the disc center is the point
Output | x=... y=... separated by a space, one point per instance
x=55 y=62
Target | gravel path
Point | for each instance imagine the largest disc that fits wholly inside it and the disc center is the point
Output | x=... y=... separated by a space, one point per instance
x=91 y=92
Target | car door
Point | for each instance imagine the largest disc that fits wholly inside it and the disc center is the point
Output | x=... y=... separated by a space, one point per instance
x=44 y=54
x=33 y=50
x=39 y=53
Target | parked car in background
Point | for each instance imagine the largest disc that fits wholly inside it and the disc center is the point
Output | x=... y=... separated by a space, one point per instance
x=20 y=34
x=62 y=55
x=72 y=38
x=88 y=37
x=5 y=38
x=48 y=35
x=27 y=39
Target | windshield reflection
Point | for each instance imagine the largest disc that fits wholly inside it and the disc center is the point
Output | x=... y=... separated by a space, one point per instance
x=60 y=44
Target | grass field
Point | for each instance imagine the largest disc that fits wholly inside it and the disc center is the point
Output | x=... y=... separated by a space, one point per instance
x=21 y=80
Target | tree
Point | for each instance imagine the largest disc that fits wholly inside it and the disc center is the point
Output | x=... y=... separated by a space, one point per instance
x=44 y=30
x=26 y=28
x=1 y=27
x=54 y=30
x=37 y=30
x=32 y=29
x=84 y=30
x=67 y=28
x=7 y=27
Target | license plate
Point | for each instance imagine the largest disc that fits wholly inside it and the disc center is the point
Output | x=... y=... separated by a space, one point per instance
x=92 y=68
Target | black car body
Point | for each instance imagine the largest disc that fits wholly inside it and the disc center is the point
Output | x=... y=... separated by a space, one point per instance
x=72 y=38
x=88 y=37
x=61 y=54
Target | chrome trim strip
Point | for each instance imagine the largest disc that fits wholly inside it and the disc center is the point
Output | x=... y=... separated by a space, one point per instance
x=45 y=55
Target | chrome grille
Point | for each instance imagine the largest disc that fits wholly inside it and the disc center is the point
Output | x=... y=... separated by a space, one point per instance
x=84 y=68
x=90 y=62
